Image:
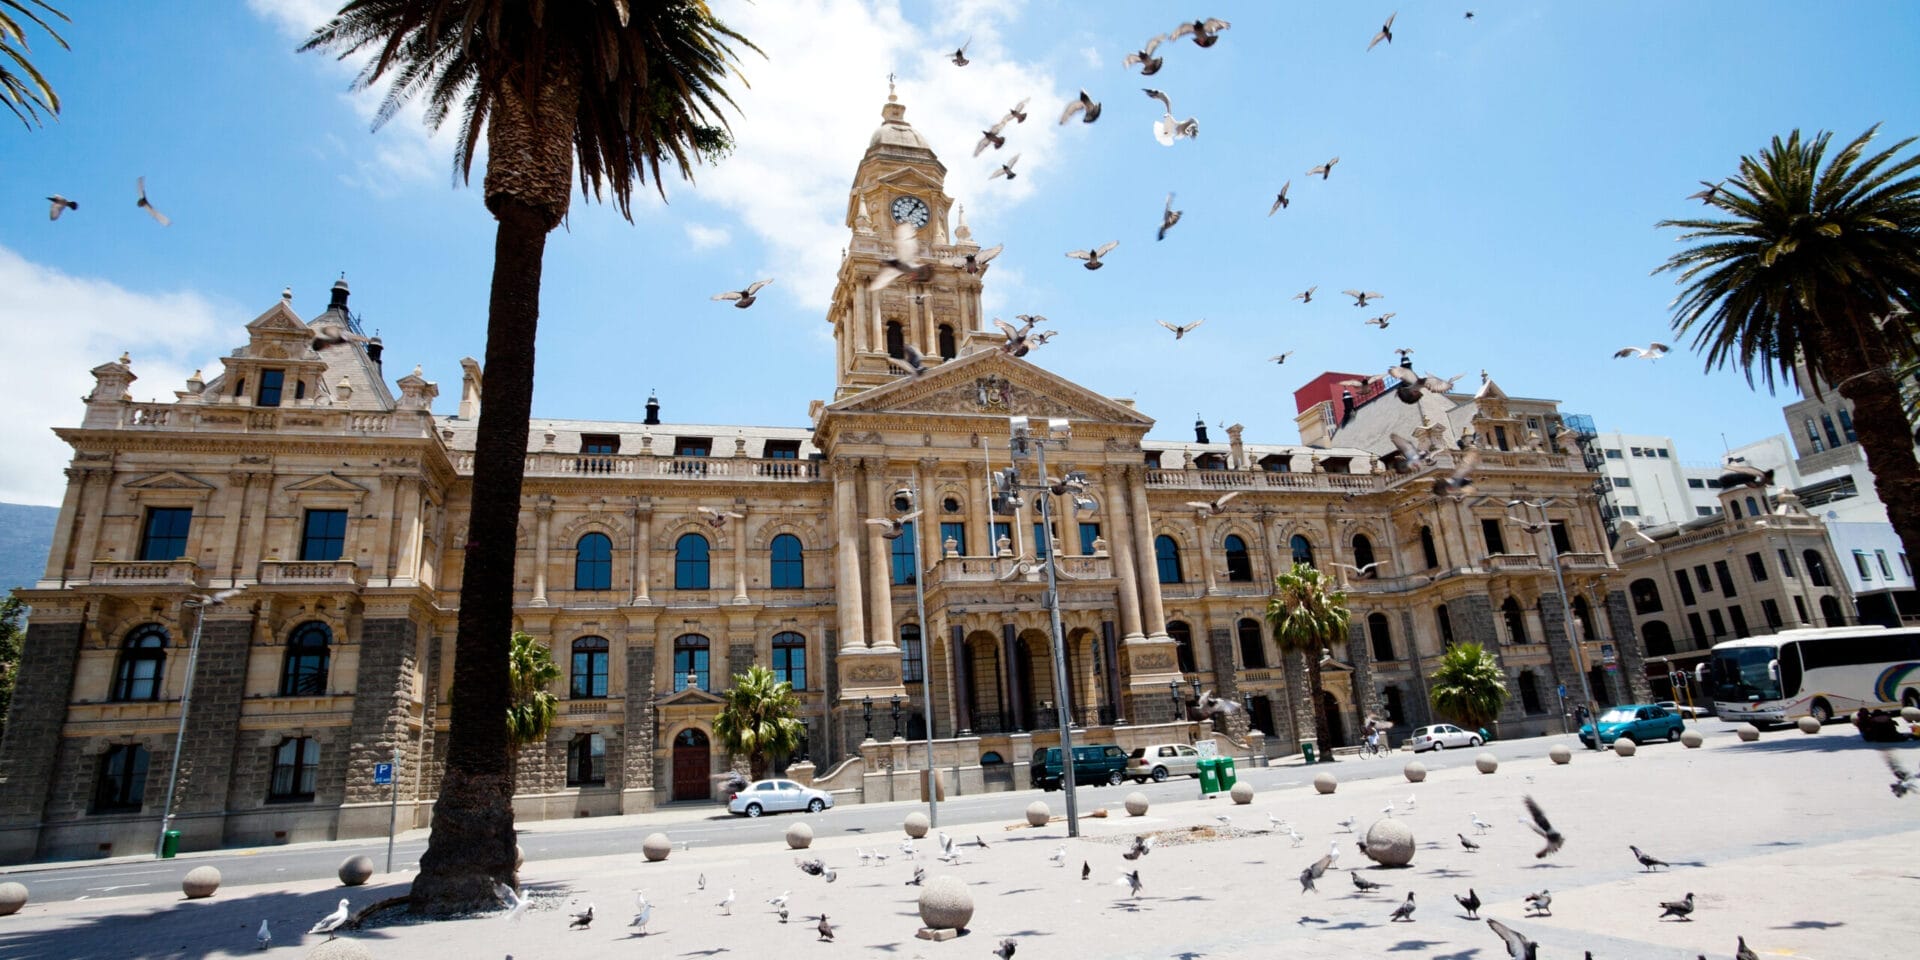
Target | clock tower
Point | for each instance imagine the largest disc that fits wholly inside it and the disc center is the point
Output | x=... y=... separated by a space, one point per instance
x=900 y=183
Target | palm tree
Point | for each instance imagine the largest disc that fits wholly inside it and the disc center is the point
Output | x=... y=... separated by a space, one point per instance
x=617 y=88
x=1821 y=267
x=26 y=93
x=1308 y=615
x=1467 y=686
x=532 y=673
x=758 y=719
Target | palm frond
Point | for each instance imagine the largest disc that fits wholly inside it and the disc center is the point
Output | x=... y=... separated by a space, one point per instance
x=24 y=90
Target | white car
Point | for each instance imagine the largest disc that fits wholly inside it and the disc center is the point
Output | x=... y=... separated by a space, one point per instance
x=1687 y=712
x=774 y=796
x=1162 y=760
x=1440 y=736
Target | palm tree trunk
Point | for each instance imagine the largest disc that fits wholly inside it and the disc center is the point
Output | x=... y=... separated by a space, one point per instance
x=1880 y=421
x=472 y=842
x=1321 y=730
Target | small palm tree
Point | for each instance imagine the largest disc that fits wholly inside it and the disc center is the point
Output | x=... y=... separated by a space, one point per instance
x=1308 y=615
x=533 y=673
x=758 y=719
x=1813 y=265
x=26 y=92
x=1467 y=687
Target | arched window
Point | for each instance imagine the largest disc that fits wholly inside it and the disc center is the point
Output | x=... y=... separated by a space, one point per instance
x=948 y=348
x=1239 y=566
x=1734 y=507
x=1657 y=637
x=1363 y=554
x=1830 y=615
x=1530 y=693
x=1646 y=595
x=690 y=562
x=305 y=672
x=1166 y=555
x=789 y=571
x=143 y=661
x=790 y=659
x=587 y=760
x=120 y=781
x=1427 y=550
x=1396 y=707
x=1382 y=635
x=690 y=657
x=1302 y=549
x=296 y=761
x=1816 y=568
x=1753 y=509
x=1516 y=621
x=1182 y=645
x=1583 y=614
x=593 y=563
x=1445 y=623
x=913 y=664
x=896 y=340
x=589 y=668
x=1253 y=649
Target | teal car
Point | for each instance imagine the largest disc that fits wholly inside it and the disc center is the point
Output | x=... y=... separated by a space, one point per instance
x=1638 y=722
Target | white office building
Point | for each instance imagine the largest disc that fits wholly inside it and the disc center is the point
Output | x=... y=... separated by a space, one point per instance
x=1645 y=481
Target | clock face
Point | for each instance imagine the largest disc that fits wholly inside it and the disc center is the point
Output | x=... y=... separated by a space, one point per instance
x=910 y=210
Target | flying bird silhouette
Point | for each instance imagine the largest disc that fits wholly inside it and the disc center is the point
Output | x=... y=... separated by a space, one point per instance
x=1363 y=297
x=1386 y=32
x=1315 y=871
x=1205 y=33
x=1214 y=507
x=1181 y=330
x=1149 y=64
x=59 y=205
x=1168 y=218
x=905 y=261
x=1652 y=351
x=142 y=203
x=1006 y=169
x=960 y=56
x=976 y=261
x=990 y=137
x=1518 y=947
x=1325 y=170
x=1281 y=199
x=1305 y=296
x=1537 y=822
x=914 y=364
x=744 y=298
x=1085 y=105
x=1092 y=257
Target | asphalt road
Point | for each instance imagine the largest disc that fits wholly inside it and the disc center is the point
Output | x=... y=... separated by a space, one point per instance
x=556 y=840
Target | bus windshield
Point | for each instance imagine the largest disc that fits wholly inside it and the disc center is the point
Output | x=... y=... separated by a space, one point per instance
x=1740 y=675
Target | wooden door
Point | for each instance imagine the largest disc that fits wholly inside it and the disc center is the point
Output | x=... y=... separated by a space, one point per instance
x=690 y=766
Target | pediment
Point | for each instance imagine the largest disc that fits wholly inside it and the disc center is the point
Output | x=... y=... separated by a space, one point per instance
x=279 y=318
x=326 y=483
x=171 y=480
x=990 y=383
x=694 y=697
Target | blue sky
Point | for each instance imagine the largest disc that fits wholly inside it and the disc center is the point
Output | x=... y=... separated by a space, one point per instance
x=1499 y=181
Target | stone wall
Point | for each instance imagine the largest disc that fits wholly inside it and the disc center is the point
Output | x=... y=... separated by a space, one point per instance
x=382 y=706
x=213 y=720
x=42 y=687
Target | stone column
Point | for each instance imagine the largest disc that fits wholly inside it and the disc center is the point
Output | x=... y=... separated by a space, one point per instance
x=1110 y=663
x=639 y=519
x=879 y=561
x=637 y=727
x=213 y=725
x=93 y=507
x=382 y=710
x=1633 y=664
x=846 y=585
x=1419 y=712
x=1010 y=667
x=69 y=519
x=979 y=513
x=962 y=669
x=927 y=529
x=1151 y=609
x=232 y=510
x=406 y=547
x=1204 y=529
x=740 y=554
x=543 y=528
x=1120 y=542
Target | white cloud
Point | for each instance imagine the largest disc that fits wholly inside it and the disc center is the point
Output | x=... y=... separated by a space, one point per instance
x=1091 y=57
x=78 y=323
x=704 y=237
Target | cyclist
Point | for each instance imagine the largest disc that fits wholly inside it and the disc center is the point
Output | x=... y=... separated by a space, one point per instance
x=1373 y=737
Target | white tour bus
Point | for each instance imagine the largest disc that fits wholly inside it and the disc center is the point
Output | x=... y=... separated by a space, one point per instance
x=1819 y=672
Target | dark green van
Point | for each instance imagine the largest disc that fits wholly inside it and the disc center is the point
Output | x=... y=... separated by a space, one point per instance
x=1092 y=765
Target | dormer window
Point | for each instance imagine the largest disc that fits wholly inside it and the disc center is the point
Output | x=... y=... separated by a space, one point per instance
x=599 y=444
x=271 y=382
x=693 y=446
x=782 y=450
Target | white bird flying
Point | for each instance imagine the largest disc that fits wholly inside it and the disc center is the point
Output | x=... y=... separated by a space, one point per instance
x=1181 y=330
x=1652 y=351
x=516 y=905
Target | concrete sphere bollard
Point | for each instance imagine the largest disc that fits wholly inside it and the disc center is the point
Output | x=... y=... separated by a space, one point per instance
x=1624 y=747
x=339 y=950
x=945 y=904
x=13 y=896
x=1389 y=843
x=200 y=882
x=355 y=871
x=1242 y=793
x=1747 y=732
x=656 y=847
x=1692 y=739
x=1486 y=763
x=916 y=825
x=1808 y=725
x=1325 y=782
x=1136 y=804
x=1038 y=814
x=1415 y=771
x=799 y=836
x=1560 y=754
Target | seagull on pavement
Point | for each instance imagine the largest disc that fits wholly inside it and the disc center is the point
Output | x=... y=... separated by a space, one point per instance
x=1059 y=857
x=727 y=904
x=1540 y=904
x=643 y=912
x=1345 y=824
x=330 y=924
x=1479 y=825
x=781 y=900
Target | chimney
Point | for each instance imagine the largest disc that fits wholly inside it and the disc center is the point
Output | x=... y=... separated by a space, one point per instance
x=470 y=389
x=339 y=302
x=374 y=347
x=653 y=409
x=1346 y=404
x=1199 y=429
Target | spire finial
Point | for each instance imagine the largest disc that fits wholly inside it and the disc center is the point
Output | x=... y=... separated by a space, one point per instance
x=890 y=95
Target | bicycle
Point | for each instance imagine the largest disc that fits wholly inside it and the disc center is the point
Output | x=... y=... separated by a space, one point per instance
x=1376 y=748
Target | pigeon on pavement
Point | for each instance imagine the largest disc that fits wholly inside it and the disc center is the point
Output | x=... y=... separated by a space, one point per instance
x=1518 y=947
x=1677 y=908
x=1005 y=950
x=1540 y=904
x=1469 y=903
x=1646 y=861
x=582 y=920
x=1403 y=911
x=1364 y=885
x=1315 y=871
x=265 y=937
x=1465 y=844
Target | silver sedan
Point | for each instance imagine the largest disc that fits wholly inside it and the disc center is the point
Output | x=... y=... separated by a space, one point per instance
x=774 y=796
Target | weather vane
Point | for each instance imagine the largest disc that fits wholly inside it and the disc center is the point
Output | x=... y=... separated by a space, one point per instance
x=890 y=97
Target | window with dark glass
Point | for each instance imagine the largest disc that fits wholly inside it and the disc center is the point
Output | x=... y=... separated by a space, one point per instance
x=1253 y=648
x=1786 y=565
x=1516 y=621
x=589 y=668
x=912 y=660
x=693 y=446
x=1846 y=426
x=1381 y=634
x=1860 y=564
x=1363 y=554
x=788 y=564
x=790 y=659
x=271 y=384
x=1182 y=636
x=1833 y=439
x=296 y=761
x=1699 y=628
x=1700 y=578
x=1445 y=624
x=1495 y=537
x=1089 y=532
x=1239 y=565
x=1166 y=555
x=901 y=550
x=1583 y=616
x=1813 y=436
x=593 y=563
x=957 y=532
x=299 y=389
x=947 y=347
x=1739 y=617
x=143 y=660
x=120 y=781
x=599 y=444
x=1719 y=623
x=690 y=657
x=1756 y=568
x=1770 y=611
x=165 y=535
x=1657 y=638
x=781 y=450
x=1686 y=588
x=1562 y=540
x=1816 y=568
x=1042 y=544
x=1886 y=569
x=896 y=340
x=324 y=535
x=587 y=760
x=1427 y=550
x=308 y=654
x=1530 y=693
x=1646 y=595
x=690 y=570
x=1302 y=549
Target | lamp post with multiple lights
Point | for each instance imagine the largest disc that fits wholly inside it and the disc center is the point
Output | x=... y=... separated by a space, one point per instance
x=1566 y=610
x=201 y=602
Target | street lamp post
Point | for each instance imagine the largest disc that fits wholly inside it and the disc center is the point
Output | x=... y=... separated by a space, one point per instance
x=200 y=602
x=926 y=645
x=1566 y=613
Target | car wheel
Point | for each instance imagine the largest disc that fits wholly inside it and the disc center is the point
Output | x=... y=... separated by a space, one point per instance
x=1439 y=745
x=1159 y=774
x=1673 y=735
x=816 y=805
x=1630 y=738
x=1473 y=742
x=1821 y=711
x=1114 y=778
x=1911 y=699
x=753 y=809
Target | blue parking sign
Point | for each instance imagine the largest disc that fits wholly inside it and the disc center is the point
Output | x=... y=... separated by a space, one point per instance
x=382 y=774
x=1563 y=691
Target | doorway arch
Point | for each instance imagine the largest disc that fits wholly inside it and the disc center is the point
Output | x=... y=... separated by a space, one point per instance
x=1336 y=721
x=692 y=761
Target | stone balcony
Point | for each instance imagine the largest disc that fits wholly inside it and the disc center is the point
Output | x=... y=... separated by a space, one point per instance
x=1514 y=563
x=992 y=569
x=1263 y=480
x=146 y=573
x=233 y=415
x=323 y=573
x=647 y=466
x=1584 y=562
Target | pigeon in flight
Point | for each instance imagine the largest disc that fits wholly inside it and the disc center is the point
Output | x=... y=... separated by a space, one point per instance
x=1325 y=170
x=906 y=260
x=1167 y=130
x=582 y=920
x=331 y=923
x=1362 y=297
x=1540 y=904
x=1469 y=15
x=719 y=518
x=727 y=904
x=1677 y=908
x=1006 y=169
x=1467 y=845
x=1738 y=473
x=744 y=298
x=1382 y=320
x=1181 y=330
x=1315 y=871
x=991 y=137
x=980 y=841
x=1405 y=458
x=1005 y=950
x=1904 y=781
x=1412 y=385
x=1305 y=296
x=826 y=929
x=1215 y=507
x=1092 y=257
x=914 y=364
x=642 y=912
x=1469 y=903
x=1205 y=33
x=960 y=56
x=1280 y=358
x=976 y=261
x=1537 y=822
x=919 y=876
x=1518 y=947
x=1085 y=105
x=1149 y=64
x=1131 y=880
x=1364 y=885
x=1386 y=32
x=1647 y=862
x=59 y=205
x=1168 y=218
x=1652 y=351
x=1403 y=911
x=264 y=938
x=142 y=203
x=1018 y=114
x=1141 y=846
x=1281 y=200
x=814 y=867
x=1459 y=483
x=1707 y=196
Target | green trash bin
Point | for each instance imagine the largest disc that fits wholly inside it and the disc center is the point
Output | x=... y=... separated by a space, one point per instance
x=1209 y=774
x=1306 y=750
x=1223 y=769
x=169 y=844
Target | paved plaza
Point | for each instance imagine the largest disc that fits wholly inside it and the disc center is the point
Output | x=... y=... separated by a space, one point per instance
x=1794 y=842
